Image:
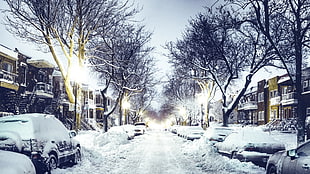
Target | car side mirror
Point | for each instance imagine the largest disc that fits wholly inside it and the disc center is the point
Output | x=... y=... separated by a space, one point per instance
x=292 y=153
x=72 y=134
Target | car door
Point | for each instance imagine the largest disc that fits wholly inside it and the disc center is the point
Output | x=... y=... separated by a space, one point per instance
x=303 y=159
x=62 y=137
x=288 y=165
x=303 y=165
x=299 y=163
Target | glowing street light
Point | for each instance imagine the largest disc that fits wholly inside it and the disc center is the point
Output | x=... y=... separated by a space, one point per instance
x=126 y=107
x=77 y=74
x=201 y=98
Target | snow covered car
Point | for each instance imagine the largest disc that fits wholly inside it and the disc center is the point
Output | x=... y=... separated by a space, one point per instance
x=129 y=129
x=124 y=129
x=15 y=163
x=174 y=129
x=193 y=132
x=217 y=134
x=291 y=161
x=249 y=145
x=181 y=131
x=140 y=128
x=41 y=137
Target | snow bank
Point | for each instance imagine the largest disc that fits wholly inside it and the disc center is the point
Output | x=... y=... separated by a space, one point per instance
x=95 y=139
x=111 y=138
x=211 y=162
x=99 y=151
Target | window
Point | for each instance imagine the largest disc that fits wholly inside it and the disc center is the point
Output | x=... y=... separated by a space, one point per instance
x=260 y=97
x=306 y=83
x=98 y=99
x=273 y=114
x=91 y=95
x=284 y=90
x=7 y=67
x=273 y=93
x=261 y=116
x=308 y=111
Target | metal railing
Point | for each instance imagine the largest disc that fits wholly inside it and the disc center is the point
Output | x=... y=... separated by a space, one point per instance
x=44 y=88
x=7 y=76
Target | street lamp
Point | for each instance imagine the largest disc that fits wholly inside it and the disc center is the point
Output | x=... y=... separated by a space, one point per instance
x=200 y=99
x=126 y=106
x=77 y=76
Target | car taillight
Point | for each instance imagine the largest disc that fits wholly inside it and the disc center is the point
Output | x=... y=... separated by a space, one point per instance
x=249 y=149
x=35 y=155
x=33 y=145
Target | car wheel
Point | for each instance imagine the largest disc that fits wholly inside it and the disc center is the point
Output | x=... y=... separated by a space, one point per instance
x=52 y=162
x=77 y=156
x=272 y=170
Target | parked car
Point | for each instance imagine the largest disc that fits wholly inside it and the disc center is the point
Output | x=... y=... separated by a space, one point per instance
x=124 y=129
x=217 y=134
x=129 y=129
x=249 y=145
x=140 y=128
x=193 y=132
x=41 y=137
x=181 y=131
x=15 y=163
x=291 y=161
x=174 y=128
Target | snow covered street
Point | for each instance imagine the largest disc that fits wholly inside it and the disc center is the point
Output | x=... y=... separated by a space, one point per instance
x=156 y=152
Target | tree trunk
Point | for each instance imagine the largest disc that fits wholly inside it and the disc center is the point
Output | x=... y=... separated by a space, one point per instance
x=105 y=109
x=228 y=111
x=300 y=116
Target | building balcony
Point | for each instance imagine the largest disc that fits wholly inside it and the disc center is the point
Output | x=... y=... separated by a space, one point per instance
x=44 y=90
x=275 y=101
x=8 y=80
x=289 y=99
x=252 y=105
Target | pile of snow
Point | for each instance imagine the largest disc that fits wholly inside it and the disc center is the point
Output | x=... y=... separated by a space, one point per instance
x=99 y=151
x=211 y=162
x=115 y=136
x=90 y=139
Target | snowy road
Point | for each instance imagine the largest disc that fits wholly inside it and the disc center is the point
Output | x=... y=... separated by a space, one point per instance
x=156 y=152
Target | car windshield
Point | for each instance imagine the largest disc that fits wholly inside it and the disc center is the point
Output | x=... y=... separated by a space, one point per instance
x=22 y=127
x=304 y=150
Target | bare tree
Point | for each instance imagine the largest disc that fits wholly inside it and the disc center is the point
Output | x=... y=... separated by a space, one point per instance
x=123 y=62
x=286 y=26
x=222 y=48
x=63 y=28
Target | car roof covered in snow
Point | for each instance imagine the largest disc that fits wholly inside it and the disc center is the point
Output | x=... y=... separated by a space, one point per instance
x=34 y=126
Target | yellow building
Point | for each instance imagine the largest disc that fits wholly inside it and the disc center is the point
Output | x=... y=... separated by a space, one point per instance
x=274 y=99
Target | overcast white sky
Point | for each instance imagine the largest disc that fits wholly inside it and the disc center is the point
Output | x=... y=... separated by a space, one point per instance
x=167 y=19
